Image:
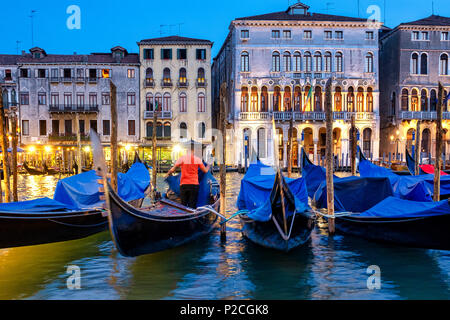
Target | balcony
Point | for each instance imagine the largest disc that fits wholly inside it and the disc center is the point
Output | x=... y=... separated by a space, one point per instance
x=60 y=137
x=166 y=83
x=201 y=83
x=54 y=79
x=183 y=84
x=6 y=80
x=149 y=83
x=62 y=108
x=320 y=116
x=422 y=115
x=167 y=115
x=244 y=116
x=80 y=79
x=92 y=80
x=66 y=79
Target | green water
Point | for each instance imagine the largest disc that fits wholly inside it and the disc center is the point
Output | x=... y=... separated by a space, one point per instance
x=326 y=268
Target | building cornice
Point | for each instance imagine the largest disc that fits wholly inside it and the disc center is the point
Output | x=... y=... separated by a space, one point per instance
x=315 y=24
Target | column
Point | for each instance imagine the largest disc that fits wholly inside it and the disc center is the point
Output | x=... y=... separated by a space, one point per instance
x=316 y=160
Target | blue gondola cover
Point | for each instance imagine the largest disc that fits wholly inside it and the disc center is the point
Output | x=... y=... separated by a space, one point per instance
x=36 y=205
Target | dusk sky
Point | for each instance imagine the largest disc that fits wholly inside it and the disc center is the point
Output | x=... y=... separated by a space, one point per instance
x=105 y=24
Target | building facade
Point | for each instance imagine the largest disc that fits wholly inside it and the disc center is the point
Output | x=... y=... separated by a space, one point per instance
x=276 y=66
x=9 y=79
x=176 y=82
x=54 y=90
x=414 y=58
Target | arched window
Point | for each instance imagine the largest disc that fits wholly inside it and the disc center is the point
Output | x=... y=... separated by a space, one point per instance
x=201 y=102
x=149 y=74
x=308 y=99
x=244 y=99
x=297 y=62
x=327 y=66
x=183 y=77
x=277 y=99
x=287 y=61
x=360 y=100
x=183 y=102
x=183 y=130
x=254 y=100
x=297 y=99
x=433 y=100
x=287 y=99
x=369 y=63
x=201 y=76
x=414 y=100
x=276 y=62
x=369 y=100
x=149 y=102
x=339 y=62
x=167 y=102
x=405 y=100
x=159 y=130
x=350 y=100
x=245 y=62
x=167 y=130
x=318 y=99
x=415 y=63
x=166 y=76
x=308 y=62
x=149 y=130
x=443 y=64
x=424 y=64
x=158 y=101
x=318 y=62
x=201 y=130
x=264 y=100
x=424 y=100
x=426 y=141
x=261 y=143
x=338 y=99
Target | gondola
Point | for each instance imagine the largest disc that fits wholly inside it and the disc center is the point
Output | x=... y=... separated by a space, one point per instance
x=32 y=171
x=49 y=171
x=274 y=213
x=164 y=225
x=366 y=207
x=423 y=169
x=76 y=210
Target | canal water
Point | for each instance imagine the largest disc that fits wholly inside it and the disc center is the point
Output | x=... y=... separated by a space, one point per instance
x=326 y=268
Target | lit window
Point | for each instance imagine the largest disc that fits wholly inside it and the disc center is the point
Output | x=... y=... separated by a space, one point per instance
x=105 y=73
x=131 y=73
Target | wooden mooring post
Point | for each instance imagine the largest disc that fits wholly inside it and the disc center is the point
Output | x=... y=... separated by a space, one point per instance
x=329 y=157
x=114 y=165
x=353 y=145
x=417 y=150
x=14 y=153
x=438 y=162
x=223 y=176
x=154 y=146
x=4 y=145
x=289 y=145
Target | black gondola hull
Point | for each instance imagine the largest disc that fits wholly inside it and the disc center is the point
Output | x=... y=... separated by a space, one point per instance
x=424 y=232
x=267 y=235
x=138 y=232
x=18 y=230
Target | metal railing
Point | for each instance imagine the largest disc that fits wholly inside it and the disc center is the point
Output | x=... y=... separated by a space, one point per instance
x=422 y=115
x=73 y=108
x=166 y=83
x=160 y=114
x=149 y=83
x=255 y=116
x=67 y=137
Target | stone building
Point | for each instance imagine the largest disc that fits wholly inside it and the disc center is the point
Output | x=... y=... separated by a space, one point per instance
x=54 y=88
x=276 y=66
x=175 y=76
x=414 y=57
x=8 y=79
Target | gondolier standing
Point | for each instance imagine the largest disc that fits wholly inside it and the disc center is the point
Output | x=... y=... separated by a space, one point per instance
x=189 y=184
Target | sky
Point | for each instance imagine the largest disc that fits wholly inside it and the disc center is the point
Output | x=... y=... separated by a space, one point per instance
x=105 y=24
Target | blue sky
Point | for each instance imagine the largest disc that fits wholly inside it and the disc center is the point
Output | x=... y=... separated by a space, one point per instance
x=105 y=24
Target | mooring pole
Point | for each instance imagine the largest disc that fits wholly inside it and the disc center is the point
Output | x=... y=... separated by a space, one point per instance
x=4 y=145
x=329 y=156
x=353 y=146
x=417 y=150
x=114 y=168
x=438 y=162
x=223 y=176
x=289 y=145
x=77 y=128
x=14 y=153
x=154 y=163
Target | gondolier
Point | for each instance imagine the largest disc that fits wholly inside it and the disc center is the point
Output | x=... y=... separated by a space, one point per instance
x=189 y=184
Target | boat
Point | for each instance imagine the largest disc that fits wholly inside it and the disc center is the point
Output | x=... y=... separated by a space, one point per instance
x=382 y=217
x=423 y=168
x=76 y=210
x=49 y=171
x=164 y=225
x=32 y=171
x=273 y=210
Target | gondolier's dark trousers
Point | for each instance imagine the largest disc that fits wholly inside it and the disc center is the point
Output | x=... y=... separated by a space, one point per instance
x=189 y=195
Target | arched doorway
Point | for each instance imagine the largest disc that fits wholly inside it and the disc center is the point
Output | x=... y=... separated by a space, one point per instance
x=280 y=145
x=308 y=143
x=426 y=142
x=322 y=142
x=337 y=147
x=247 y=135
x=294 y=147
x=367 y=142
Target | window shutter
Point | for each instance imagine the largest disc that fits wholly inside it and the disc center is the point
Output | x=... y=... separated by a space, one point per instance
x=170 y=54
x=162 y=53
x=36 y=73
x=178 y=54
